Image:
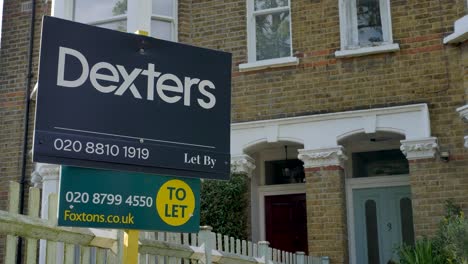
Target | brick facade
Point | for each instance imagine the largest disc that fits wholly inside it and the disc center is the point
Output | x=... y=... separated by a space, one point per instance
x=432 y=183
x=13 y=78
x=423 y=70
x=326 y=213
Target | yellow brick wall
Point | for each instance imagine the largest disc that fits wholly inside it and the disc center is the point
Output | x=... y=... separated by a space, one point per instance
x=326 y=213
x=432 y=183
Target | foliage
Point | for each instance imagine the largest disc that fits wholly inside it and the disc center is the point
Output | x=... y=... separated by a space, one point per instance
x=449 y=246
x=120 y=8
x=224 y=206
x=452 y=235
x=423 y=252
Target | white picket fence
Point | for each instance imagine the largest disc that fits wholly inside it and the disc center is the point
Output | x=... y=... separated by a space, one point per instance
x=81 y=245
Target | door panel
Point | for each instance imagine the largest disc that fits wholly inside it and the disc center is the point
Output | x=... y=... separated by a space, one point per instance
x=286 y=222
x=372 y=231
x=367 y=250
x=382 y=221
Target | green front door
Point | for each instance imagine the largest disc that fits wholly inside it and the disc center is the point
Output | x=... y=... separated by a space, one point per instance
x=383 y=220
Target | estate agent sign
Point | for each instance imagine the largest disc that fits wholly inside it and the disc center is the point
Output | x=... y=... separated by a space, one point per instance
x=120 y=101
x=128 y=200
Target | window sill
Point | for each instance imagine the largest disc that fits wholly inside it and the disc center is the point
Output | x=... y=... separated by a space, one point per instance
x=463 y=112
x=265 y=64
x=367 y=51
x=461 y=32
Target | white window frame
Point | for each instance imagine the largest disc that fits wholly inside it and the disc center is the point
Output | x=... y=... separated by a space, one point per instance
x=139 y=15
x=253 y=63
x=349 y=31
x=173 y=20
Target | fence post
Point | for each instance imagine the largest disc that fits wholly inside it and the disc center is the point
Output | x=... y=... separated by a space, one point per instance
x=34 y=205
x=13 y=207
x=300 y=257
x=206 y=240
x=51 y=246
x=263 y=251
x=130 y=246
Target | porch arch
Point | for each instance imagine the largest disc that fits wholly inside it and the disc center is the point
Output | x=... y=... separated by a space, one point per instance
x=325 y=130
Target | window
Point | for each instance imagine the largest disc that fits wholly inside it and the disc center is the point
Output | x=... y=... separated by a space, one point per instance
x=369 y=22
x=272 y=29
x=372 y=232
x=365 y=27
x=268 y=34
x=157 y=17
x=163 y=19
x=379 y=163
x=284 y=172
x=406 y=218
x=110 y=14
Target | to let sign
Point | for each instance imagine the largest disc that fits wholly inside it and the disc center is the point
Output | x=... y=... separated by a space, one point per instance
x=120 y=101
x=128 y=200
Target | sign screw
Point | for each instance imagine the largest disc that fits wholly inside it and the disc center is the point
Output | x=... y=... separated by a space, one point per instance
x=142 y=140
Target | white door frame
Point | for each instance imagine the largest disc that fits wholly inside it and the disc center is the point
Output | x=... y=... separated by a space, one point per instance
x=272 y=190
x=361 y=183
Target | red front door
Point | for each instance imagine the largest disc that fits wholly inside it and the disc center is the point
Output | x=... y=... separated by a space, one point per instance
x=286 y=222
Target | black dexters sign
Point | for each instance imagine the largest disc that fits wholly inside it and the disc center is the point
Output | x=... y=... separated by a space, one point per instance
x=114 y=100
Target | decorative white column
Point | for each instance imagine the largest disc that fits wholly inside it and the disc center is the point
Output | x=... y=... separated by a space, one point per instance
x=463 y=111
x=242 y=164
x=425 y=148
x=323 y=157
x=46 y=176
